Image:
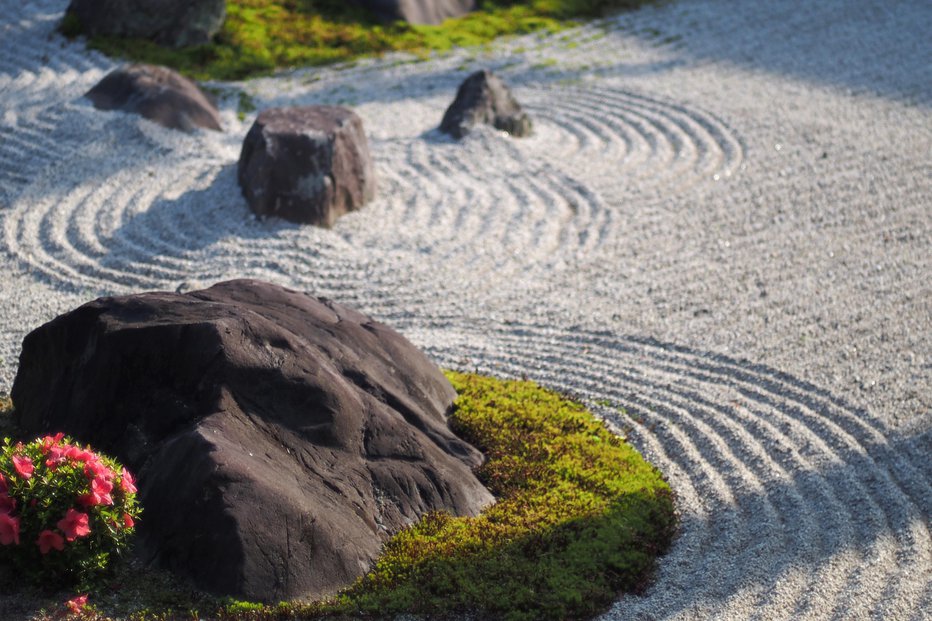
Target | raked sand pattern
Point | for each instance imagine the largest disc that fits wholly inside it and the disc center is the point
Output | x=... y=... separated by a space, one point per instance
x=719 y=236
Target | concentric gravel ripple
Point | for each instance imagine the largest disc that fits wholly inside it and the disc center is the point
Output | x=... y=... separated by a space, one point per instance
x=484 y=210
x=40 y=74
x=653 y=147
x=793 y=500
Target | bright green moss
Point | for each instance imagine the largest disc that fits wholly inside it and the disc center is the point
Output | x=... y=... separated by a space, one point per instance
x=580 y=517
x=259 y=36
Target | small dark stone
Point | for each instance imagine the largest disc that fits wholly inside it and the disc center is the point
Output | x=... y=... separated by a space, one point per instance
x=418 y=11
x=157 y=93
x=173 y=23
x=308 y=165
x=279 y=439
x=484 y=98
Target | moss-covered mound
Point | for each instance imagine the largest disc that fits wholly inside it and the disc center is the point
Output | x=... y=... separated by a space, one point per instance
x=262 y=35
x=579 y=518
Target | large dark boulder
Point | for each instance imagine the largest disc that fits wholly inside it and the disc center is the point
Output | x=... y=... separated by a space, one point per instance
x=279 y=439
x=418 y=11
x=484 y=98
x=306 y=164
x=157 y=93
x=173 y=23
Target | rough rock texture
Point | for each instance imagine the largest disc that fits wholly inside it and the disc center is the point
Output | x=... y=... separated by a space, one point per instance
x=157 y=93
x=279 y=438
x=484 y=98
x=306 y=164
x=174 y=23
x=418 y=11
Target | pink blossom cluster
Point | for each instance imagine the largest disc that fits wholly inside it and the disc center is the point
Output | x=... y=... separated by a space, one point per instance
x=75 y=523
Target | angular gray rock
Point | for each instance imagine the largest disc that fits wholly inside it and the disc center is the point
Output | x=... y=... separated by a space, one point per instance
x=418 y=11
x=279 y=439
x=306 y=164
x=173 y=23
x=484 y=98
x=157 y=93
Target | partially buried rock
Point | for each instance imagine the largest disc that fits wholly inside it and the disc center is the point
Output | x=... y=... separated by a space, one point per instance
x=157 y=93
x=418 y=11
x=484 y=98
x=173 y=23
x=279 y=439
x=306 y=164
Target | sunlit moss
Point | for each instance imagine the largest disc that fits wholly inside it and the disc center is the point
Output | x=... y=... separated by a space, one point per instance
x=260 y=36
x=580 y=516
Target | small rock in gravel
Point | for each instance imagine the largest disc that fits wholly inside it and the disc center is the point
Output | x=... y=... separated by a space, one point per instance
x=484 y=98
x=157 y=93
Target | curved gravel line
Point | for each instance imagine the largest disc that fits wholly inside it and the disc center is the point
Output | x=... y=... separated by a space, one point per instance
x=718 y=236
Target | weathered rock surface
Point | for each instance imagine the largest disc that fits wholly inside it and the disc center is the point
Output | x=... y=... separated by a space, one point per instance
x=418 y=11
x=157 y=93
x=279 y=439
x=484 y=98
x=306 y=164
x=173 y=23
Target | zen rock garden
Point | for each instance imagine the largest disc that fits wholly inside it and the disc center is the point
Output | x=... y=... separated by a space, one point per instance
x=279 y=439
x=296 y=434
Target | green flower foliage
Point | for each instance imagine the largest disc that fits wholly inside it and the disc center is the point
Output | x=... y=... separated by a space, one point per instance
x=260 y=36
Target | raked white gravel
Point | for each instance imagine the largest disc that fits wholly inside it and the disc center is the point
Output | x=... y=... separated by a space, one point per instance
x=720 y=235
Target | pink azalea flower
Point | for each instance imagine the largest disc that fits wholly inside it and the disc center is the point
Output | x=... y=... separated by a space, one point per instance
x=76 y=453
x=74 y=525
x=100 y=494
x=49 y=441
x=49 y=540
x=55 y=455
x=127 y=482
x=9 y=529
x=101 y=489
x=3 y=487
x=128 y=521
x=96 y=468
x=23 y=466
x=76 y=604
x=7 y=504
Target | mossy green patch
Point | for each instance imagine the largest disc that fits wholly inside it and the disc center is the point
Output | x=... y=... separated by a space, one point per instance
x=579 y=518
x=260 y=36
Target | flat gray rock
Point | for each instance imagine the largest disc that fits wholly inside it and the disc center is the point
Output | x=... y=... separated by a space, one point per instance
x=418 y=11
x=280 y=439
x=306 y=164
x=173 y=23
x=157 y=93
